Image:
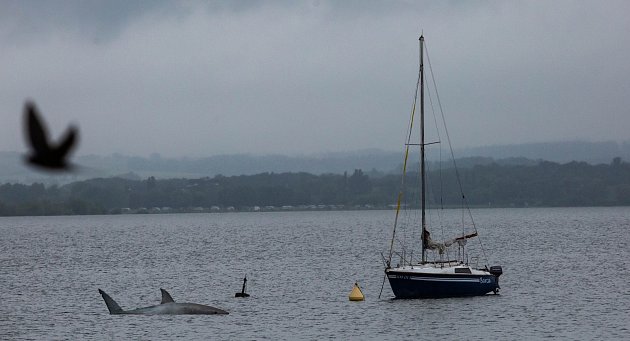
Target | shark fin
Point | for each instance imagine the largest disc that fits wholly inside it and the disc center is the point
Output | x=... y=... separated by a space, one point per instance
x=113 y=307
x=166 y=297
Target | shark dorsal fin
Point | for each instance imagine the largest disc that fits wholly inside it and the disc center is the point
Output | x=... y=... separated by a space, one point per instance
x=112 y=306
x=166 y=297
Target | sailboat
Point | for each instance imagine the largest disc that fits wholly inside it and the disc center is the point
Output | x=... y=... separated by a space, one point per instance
x=435 y=274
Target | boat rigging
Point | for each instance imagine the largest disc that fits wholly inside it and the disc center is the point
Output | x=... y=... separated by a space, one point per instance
x=438 y=277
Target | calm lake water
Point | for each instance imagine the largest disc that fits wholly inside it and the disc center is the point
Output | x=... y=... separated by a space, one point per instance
x=566 y=275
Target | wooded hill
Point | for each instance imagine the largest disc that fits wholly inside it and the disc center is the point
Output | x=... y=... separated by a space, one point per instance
x=489 y=185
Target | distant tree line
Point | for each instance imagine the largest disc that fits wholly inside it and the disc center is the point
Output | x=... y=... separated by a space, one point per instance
x=490 y=185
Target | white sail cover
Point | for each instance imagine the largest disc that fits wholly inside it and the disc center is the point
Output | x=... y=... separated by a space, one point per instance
x=441 y=247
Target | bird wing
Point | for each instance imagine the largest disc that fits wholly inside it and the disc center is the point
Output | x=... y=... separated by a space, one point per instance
x=67 y=142
x=36 y=132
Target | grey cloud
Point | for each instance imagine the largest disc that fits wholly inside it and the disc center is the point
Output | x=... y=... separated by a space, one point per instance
x=204 y=78
x=98 y=21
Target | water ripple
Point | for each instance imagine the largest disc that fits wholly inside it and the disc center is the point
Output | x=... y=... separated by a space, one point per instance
x=566 y=275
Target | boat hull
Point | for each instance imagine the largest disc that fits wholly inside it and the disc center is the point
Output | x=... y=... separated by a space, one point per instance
x=422 y=285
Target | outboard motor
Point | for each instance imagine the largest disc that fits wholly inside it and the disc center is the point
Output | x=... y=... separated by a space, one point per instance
x=496 y=270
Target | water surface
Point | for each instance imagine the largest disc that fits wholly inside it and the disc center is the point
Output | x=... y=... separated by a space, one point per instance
x=566 y=274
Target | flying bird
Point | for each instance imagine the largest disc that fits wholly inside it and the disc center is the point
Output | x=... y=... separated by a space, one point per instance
x=44 y=154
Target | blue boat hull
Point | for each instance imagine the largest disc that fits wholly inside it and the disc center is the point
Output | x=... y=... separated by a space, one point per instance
x=414 y=285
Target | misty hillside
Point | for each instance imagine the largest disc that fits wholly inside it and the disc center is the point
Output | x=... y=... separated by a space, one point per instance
x=373 y=162
x=561 y=152
x=546 y=184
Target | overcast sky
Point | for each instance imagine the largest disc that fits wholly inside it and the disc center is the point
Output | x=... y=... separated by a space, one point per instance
x=301 y=77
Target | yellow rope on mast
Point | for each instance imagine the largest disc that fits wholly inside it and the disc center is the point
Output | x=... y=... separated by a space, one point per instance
x=400 y=194
x=402 y=184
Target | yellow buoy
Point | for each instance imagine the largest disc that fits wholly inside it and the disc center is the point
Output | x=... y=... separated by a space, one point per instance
x=356 y=294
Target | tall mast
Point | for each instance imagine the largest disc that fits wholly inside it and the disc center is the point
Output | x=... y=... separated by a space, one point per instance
x=424 y=223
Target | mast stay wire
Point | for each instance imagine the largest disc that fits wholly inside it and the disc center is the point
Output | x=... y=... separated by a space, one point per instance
x=437 y=129
x=404 y=170
x=450 y=146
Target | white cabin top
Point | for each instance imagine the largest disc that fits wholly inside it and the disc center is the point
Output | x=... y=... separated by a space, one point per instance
x=439 y=268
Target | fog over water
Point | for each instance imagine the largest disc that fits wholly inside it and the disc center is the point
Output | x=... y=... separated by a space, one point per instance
x=198 y=79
